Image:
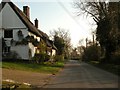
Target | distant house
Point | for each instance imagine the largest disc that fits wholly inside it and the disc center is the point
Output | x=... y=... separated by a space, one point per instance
x=19 y=33
x=75 y=54
x=51 y=48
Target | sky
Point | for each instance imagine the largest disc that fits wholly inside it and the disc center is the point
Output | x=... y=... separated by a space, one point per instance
x=54 y=14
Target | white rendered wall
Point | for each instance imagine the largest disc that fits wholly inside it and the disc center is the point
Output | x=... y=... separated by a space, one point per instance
x=15 y=33
x=10 y=19
x=0 y=19
x=22 y=51
x=32 y=48
x=53 y=52
x=1 y=33
x=0 y=24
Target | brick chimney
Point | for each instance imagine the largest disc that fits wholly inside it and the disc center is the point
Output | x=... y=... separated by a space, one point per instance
x=36 y=23
x=26 y=11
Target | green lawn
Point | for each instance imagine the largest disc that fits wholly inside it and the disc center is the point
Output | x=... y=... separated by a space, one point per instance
x=44 y=68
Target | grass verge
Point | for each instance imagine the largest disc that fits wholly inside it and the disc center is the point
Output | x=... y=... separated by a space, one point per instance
x=42 y=68
x=115 y=69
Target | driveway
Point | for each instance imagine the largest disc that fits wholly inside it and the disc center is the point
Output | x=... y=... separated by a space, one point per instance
x=82 y=75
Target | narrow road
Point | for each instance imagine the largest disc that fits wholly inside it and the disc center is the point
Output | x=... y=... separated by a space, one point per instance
x=82 y=75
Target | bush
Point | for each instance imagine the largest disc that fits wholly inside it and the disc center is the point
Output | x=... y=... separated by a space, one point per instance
x=40 y=58
x=115 y=58
x=91 y=53
x=59 y=58
x=11 y=55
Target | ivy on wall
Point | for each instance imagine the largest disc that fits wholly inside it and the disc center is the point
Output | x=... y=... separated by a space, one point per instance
x=24 y=41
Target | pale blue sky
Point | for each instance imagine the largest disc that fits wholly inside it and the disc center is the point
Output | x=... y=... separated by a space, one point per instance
x=53 y=14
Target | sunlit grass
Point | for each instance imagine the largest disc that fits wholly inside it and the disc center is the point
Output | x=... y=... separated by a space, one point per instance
x=45 y=68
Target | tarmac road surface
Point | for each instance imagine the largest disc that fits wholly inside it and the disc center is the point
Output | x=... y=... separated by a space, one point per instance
x=82 y=75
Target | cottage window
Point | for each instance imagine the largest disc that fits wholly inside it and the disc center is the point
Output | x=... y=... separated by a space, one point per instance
x=20 y=35
x=8 y=33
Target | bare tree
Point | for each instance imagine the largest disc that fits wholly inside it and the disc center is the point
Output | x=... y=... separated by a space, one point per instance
x=95 y=8
x=106 y=15
x=65 y=35
x=80 y=47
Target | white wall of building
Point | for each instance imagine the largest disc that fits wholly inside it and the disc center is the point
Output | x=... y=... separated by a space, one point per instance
x=0 y=24
x=53 y=52
x=31 y=46
x=0 y=19
x=15 y=33
x=22 y=51
x=32 y=49
x=1 y=33
x=10 y=19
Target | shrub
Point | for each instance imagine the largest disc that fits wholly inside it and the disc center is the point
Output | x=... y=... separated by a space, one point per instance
x=36 y=58
x=47 y=57
x=91 y=53
x=115 y=57
x=11 y=55
x=41 y=57
x=59 y=58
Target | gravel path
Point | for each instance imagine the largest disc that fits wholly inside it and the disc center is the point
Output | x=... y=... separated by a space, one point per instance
x=35 y=79
x=83 y=75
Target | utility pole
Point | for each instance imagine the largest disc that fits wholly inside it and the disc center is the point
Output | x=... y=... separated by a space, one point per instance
x=93 y=40
x=86 y=42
